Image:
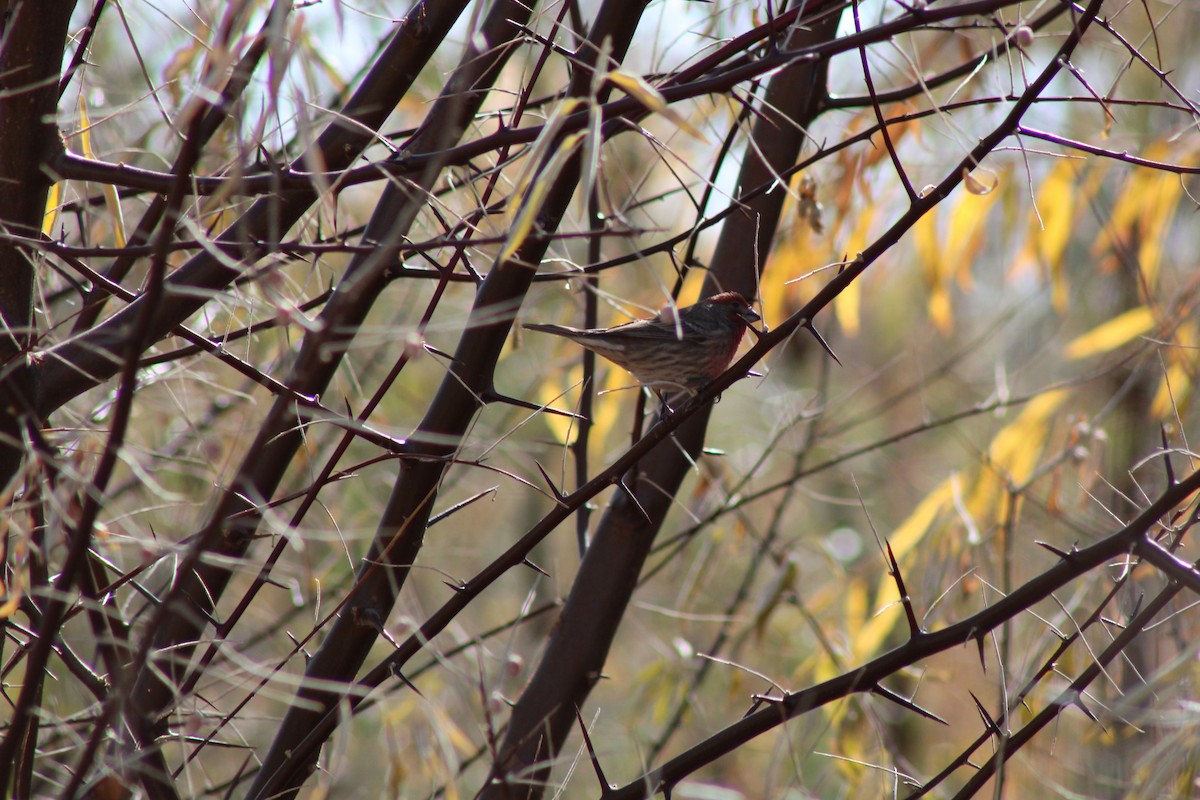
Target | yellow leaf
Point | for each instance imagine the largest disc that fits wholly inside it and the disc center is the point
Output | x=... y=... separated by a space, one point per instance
x=941 y=312
x=1144 y=209
x=551 y=393
x=965 y=233
x=846 y=308
x=782 y=285
x=111 y=200
x=1059 y=291
x=1032 y=423
x=1056 y=206
x=872 y=635
x=398 y=714
x=53 y=202
x=1131 y=199
x=446 y=727
x=689 y=293
x=1173 y=392
x=904 y=538
x=1114 y=333
x=557 y=385
x=536 y=156
x=531 y=203
x=929 y=249
x=937 y=275
x=876 y=155
x=1014 y=453
x=869 y=638
x=636 y=87
x=860 y=234
x=1158 y=211
x=856 y=605
x=910 y=532
x=785 y=262
x=847 y=304
x=1175 y=386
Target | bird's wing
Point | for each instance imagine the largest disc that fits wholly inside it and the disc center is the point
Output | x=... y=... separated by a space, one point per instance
x=638 y=331
x=644 y=331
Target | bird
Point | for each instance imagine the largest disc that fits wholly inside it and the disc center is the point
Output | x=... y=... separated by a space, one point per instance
x=680 y=349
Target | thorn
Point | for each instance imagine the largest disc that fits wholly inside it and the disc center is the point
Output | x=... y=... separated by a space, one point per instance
x=208 y=617
x=492 y=396
x=558 y=496
x=758 y=701
x=1137 y=606
x=888 y=694
x=1065 y=555
x=534 y=567
x=458 y=587
x=368 y=617
x=982 y=658
x=436 y=518
x=605 y=786
x=665 y=411
x=633 y=497
x=766 y=698
x=296 y=644
x=442 y=353
x=987 y=718
x=1077 y=701
x=1167 y=456
x=914 y=627
x=821 y=341
x=396 y=673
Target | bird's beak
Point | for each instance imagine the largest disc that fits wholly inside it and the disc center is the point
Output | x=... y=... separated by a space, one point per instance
x=751 y=316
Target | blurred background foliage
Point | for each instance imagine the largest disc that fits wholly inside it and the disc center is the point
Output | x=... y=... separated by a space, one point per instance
x=1009 y=370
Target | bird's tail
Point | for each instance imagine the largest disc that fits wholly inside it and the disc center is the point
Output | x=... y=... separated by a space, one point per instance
x=557 y=330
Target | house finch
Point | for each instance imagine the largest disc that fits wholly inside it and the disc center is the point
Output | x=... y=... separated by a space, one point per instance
x=678 y=349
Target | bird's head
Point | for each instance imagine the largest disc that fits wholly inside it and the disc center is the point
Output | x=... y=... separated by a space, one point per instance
x=735 y=306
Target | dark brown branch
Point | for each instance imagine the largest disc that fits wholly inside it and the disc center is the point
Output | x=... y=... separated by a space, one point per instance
x=916 y=650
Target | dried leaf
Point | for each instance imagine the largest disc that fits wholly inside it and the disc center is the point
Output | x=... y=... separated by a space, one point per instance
x=981 y=181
